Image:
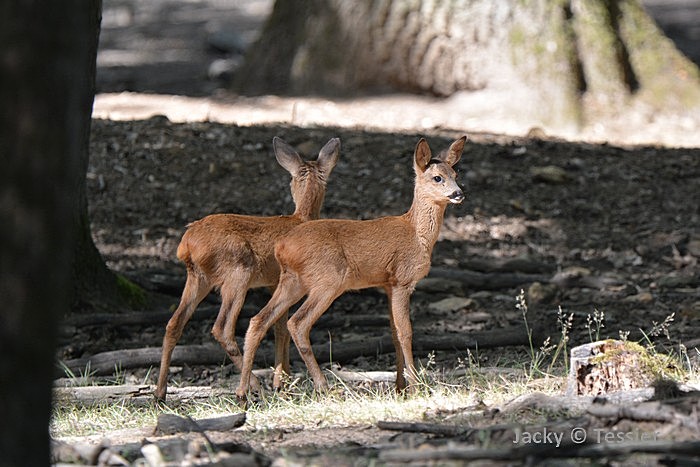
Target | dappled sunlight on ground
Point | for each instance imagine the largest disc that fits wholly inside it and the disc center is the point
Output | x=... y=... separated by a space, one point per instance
x=395 y=112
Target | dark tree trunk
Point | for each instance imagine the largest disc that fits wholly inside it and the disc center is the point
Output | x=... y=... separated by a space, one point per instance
x=47 y=62
x=94 y=286
x=556 y=63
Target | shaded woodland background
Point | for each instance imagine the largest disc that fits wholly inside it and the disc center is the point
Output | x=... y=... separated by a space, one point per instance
x=599 y=226
x=206 y=56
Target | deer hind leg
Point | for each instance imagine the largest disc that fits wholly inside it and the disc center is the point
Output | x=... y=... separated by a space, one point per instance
x=233 y=293
x=402 y=335
x=288 y=292
x=196 y=288
x=300 y=325
x=282 y=341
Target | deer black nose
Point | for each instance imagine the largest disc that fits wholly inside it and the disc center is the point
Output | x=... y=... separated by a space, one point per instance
x=456 y=197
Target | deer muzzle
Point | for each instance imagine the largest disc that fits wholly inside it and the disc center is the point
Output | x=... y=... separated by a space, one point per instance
x=456 y=197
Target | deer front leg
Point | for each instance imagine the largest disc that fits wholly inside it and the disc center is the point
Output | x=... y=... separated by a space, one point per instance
x=300 y=325
x=402 y=334
x=287 y=294
x=400 y=364
x=196 y=288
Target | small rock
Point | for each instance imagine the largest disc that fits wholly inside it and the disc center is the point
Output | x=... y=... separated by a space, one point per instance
x=152 y=454
x=569 y=276
x=642 y=297
x=536 y=133
x=550 y=174
x=481 y=295
x=158 y=119
x=438 y=285
x=252 y=146
x=519 y=151
x=451 y=304
x=226 y=41
x=223 y=68
x=541 y=293
x=672 y=282
x=477 y=316
x=690 y=311
x=527 y=265
x=694 y=247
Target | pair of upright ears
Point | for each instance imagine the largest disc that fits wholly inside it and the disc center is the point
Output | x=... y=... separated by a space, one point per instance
x=423 y=155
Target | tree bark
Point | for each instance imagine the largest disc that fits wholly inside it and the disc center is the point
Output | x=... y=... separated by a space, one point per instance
x=47 y=59
x=94 y=286
x=558 y=64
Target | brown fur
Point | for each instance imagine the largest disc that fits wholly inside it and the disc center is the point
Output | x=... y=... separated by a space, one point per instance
x=322 y=259
x=234 y=253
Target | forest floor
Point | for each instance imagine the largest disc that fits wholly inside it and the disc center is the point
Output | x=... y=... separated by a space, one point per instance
x=611 y=228
x=595 y=228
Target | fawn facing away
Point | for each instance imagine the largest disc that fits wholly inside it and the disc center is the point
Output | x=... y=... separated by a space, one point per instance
x=234 y=253
x=324 y=258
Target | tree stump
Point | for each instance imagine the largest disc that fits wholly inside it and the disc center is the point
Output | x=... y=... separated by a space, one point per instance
x=611 y=365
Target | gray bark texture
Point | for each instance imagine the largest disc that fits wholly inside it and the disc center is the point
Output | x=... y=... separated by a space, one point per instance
x=560 y=62
x=47 y=59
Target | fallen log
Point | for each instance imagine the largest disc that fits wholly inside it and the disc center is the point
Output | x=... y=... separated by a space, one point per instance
x=143 y=394
x=137 y=395
x=540 y=451
x=140 y=317
x=208 y=312
x=537 y=401
x=170 y=424
x=487 y=280
x=432 y=428
x=365 y=376
x=105 y=363
x=652 y=411
x=518 y=264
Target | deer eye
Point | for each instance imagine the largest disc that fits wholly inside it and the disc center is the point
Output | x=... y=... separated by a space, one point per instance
x=437 y=178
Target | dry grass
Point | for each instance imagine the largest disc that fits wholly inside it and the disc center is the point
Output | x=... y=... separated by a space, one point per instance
x=465 y=389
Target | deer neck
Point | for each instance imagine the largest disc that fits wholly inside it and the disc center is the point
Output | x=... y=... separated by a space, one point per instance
x=426 y=217
x=308 y=205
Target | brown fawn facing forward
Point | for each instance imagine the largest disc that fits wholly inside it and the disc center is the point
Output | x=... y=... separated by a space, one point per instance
x=234 y=253
x=324 y=258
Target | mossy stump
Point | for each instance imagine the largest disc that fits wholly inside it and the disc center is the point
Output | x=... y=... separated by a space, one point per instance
x=611 y=365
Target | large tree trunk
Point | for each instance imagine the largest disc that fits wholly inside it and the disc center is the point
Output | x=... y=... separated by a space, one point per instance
x=93 y=285
x=47 y=60
x=558 y=63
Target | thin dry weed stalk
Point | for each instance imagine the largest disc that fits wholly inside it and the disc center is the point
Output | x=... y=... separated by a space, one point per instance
x=594 y=324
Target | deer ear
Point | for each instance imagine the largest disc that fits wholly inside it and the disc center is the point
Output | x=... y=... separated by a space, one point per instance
x=422 y=155
x=287 y=156
x=328 y=156
x=452 y=155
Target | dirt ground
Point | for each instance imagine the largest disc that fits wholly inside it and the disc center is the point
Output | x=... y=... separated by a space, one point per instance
x=628 y=216
x=604 y=228
x=614 y=228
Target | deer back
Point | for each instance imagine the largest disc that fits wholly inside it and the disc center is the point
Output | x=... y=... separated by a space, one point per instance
x=393 y=250
x=218 y=244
